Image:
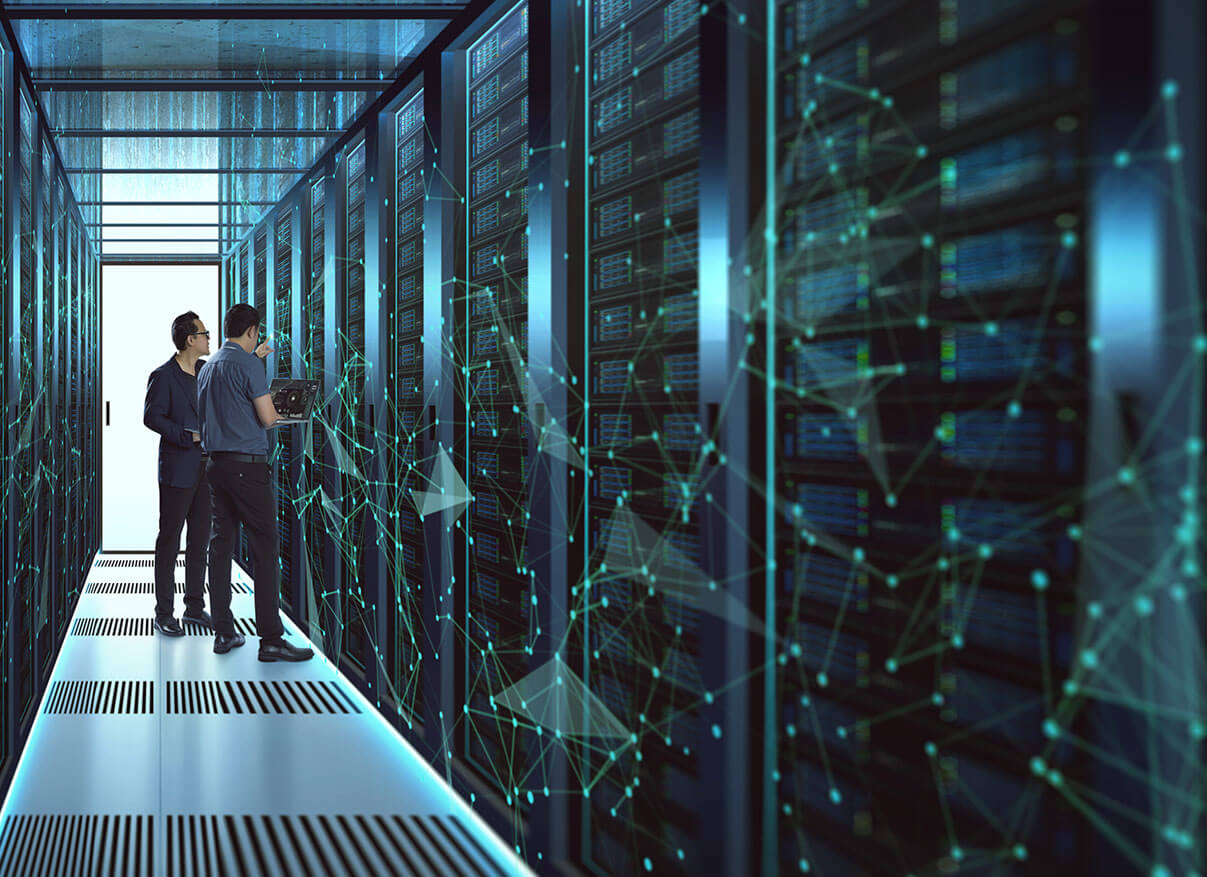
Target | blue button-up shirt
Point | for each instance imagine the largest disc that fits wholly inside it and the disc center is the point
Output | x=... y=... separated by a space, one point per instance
x=225 y=389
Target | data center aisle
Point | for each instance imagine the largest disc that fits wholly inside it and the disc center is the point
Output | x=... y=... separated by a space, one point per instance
x=152 y=755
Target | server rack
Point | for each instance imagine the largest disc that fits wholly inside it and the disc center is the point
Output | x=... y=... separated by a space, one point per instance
x=407 y=564
x=355 y=619
x=644 y=431
x=42 y=598
x=943 y=588
x=8 y=319
x=23 y=673
x=283 y=335
x=247 y=291
x=44 y=453
x=65 y=583
x=75 y=403
x=315 y=464
x=260 y=272
x=491 y=341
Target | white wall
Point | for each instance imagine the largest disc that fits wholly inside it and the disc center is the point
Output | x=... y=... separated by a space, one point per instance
x=138 y=305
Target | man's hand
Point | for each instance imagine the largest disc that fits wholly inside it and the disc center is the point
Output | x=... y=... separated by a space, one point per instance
x=263 y=350
x=196 y=438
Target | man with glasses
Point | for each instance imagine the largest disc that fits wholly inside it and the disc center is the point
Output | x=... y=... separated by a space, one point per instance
x=236 y=412
x=184 y=495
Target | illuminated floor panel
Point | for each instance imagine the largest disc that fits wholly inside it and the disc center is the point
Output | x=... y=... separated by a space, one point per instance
x=225 y=736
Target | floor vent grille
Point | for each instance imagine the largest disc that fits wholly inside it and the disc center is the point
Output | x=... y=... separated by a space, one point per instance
x=245 y=626
x=148 y=588
x=145 y=627
x=361 y=845
x=102 y=698
x=282 y=697
x=40 y=844
x=112 y=627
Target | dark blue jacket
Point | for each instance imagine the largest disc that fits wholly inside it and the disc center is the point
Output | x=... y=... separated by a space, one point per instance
x=171 y=411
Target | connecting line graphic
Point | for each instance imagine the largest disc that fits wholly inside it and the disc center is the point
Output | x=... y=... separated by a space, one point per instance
x=929 y=528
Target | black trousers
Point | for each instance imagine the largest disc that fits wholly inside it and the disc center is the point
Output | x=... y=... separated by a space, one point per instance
x=176 y=506
x=241 y=493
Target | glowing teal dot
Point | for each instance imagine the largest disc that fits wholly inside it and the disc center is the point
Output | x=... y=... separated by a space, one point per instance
x=1198 y=730
x=1020 y=852
x=957 y=853
x=1169 y=89
x=823 y=680
x=1070 y=687
x=1068 y=240
x=716 y=731
x=1039 y=579
x=922 y=321
x=928 y=240
x=1038 y=766
x=931 y=749
x=937 y=698
x=957 y=640
x=1144 y=605
x=891 y=665
x=891 y=500
x=1089 y=659
x=1127 y=475
x=1122 y=158
x=1173 y=152
x=1051 y=729
x=891 y=581
x=1074 y=532
x=1014 y=409
x=649 y=866
x=920 y=152
x=985 y=551
x=1094 y=609
x=835 y=796
x=803 y=864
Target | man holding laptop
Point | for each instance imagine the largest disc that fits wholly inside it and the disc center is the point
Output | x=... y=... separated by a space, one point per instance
x=236 y=410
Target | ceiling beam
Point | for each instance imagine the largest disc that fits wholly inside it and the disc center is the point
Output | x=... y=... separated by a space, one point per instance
x=168 y=259
x=169 y=224
x=176 y=203
x=208 y=133
x=187 y=170
x=60 y=84
x=223 y=12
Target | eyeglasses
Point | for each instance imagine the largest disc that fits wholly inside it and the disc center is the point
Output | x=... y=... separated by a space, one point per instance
x=206 y=334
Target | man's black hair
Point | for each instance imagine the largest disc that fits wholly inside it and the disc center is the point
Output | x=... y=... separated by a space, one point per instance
x=182 y=327
x=239 y=319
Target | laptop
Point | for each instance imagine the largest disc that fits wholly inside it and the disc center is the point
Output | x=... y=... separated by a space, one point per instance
x=293 y=399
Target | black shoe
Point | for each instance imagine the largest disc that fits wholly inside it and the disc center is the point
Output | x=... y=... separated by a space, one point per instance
x=169 y=626
x=223 y=644
x=203 y=619
x=280 y=650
